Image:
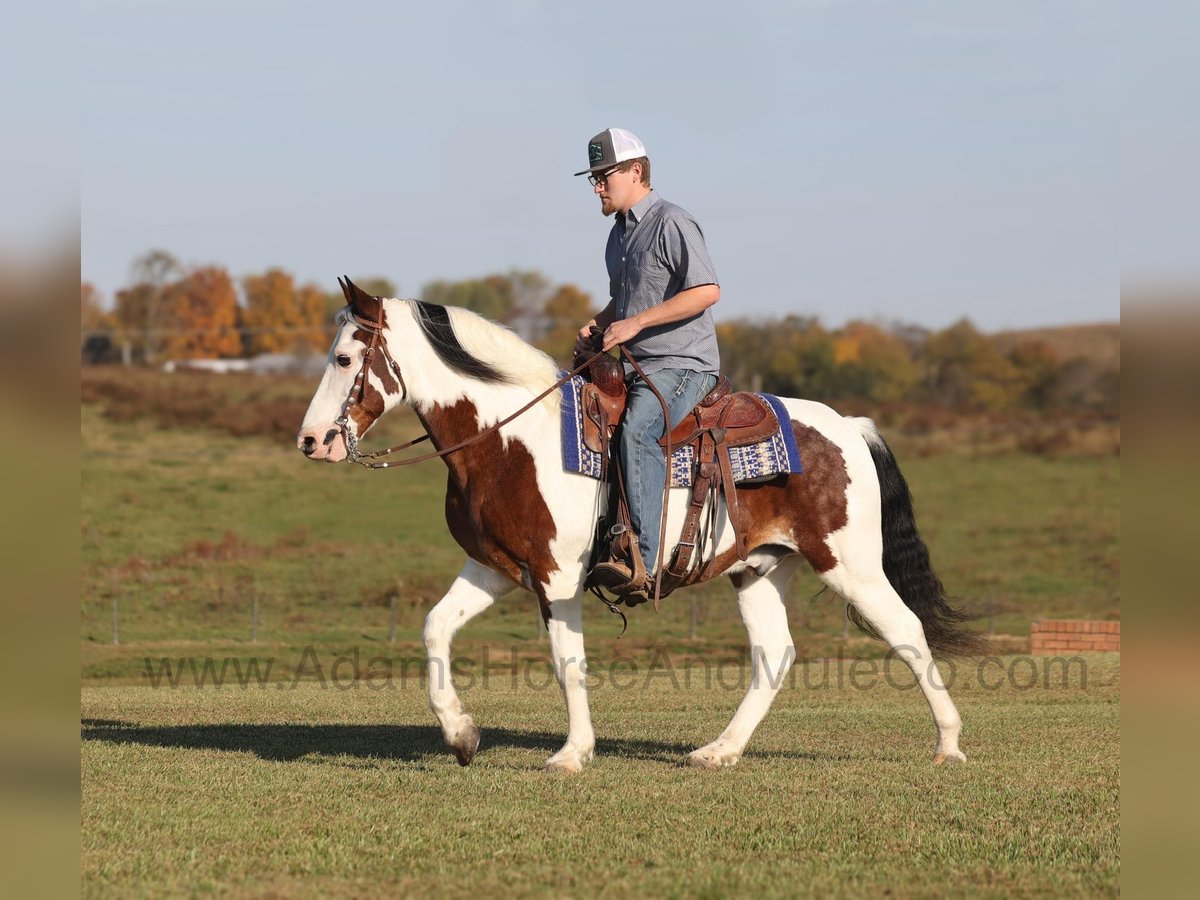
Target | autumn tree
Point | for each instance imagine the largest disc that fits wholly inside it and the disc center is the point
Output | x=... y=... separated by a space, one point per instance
x=488 y=297
x=514 y=298
x=565 y=312
x=1036 y=364
x=872 y=363
x=92 y=316
x=964 y=368
x=201 y=314
x=280 y=318
x=139 y=313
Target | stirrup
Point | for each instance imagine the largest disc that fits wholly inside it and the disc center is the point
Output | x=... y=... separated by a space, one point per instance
x=616 y=578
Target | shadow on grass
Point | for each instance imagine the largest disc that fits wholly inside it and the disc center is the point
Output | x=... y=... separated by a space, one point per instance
x=284 y=743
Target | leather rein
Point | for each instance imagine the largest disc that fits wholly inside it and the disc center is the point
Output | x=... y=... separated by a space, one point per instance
x=358 y=390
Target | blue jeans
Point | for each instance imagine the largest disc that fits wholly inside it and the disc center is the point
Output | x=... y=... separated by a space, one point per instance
x=642 y=458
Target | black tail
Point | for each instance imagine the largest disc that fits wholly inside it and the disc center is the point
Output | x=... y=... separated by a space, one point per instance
x=906 y=564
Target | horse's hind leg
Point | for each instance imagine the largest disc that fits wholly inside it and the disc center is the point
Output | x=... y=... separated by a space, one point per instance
x=473 y=591
x=877 y=601
x=760 y=601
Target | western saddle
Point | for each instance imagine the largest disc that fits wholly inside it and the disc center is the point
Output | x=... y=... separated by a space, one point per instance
x=722 y=420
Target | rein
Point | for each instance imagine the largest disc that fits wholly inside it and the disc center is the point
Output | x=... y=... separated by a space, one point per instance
x=371 y=460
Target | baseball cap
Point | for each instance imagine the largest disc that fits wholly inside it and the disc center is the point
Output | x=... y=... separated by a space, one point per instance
x=612 y=146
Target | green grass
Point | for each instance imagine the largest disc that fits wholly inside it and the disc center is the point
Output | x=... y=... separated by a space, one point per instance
x=185 y=525
x=344 y=788
x=271 y=791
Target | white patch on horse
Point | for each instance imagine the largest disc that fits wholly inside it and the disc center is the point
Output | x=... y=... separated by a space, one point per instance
x=573 y=502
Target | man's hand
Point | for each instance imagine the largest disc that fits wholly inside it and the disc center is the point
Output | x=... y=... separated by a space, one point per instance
x=583 y=340
x=619 y=332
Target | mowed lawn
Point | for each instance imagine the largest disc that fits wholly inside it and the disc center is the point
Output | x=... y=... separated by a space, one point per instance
x=299 y=790
x=184 y=527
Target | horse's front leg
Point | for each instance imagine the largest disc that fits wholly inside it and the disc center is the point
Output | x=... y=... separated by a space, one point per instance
x=570 y=666
x=473 y=591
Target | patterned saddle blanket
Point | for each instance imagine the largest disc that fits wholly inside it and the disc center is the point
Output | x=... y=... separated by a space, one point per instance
x=757 y=462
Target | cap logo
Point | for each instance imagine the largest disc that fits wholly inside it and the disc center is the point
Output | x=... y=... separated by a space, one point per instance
x=595 y=153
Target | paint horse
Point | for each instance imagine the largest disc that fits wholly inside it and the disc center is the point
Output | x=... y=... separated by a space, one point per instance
x=523 y=521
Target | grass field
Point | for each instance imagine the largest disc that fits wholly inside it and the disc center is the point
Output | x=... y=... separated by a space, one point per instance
x=328 y=778
x=185 y=526
x=273 y=791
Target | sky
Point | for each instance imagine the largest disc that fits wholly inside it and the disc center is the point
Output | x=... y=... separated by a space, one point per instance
x=897 y=161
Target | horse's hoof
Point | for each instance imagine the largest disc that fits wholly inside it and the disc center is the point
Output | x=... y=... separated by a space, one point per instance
x=568 y=762
x=712 y=759
x=466 y=744
x=944 y=757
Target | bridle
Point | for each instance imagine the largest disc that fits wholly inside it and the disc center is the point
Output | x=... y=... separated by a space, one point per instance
x=358 y=391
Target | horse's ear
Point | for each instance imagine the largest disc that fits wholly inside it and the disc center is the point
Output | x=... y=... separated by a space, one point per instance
x=364 y=305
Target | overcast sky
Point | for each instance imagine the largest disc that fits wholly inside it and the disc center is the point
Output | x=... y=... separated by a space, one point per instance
x=919 y=161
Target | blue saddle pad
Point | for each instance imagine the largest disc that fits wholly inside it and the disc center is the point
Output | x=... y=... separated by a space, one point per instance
x=775 y=456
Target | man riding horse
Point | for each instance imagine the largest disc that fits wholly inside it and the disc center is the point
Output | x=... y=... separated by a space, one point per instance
x=662 y=286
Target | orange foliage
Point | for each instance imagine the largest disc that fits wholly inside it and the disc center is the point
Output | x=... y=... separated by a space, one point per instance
x=91 y=315
x=565 y=312
x=202 y=316
x=281 y=318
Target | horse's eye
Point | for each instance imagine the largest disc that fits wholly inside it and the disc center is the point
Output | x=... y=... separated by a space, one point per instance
x=343 y=360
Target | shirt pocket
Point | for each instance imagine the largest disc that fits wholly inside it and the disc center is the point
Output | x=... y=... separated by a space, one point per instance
x=647 y=278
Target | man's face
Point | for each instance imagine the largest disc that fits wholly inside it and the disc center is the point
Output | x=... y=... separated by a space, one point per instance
x=619 y=191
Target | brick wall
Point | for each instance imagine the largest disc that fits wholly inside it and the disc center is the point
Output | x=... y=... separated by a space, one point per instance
x=1054 y=636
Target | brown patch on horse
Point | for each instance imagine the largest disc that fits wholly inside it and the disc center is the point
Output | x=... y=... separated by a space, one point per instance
x=493 y=506
x=366 y=306
x=808 y=507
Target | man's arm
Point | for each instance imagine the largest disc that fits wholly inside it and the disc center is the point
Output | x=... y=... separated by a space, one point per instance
x=604 y=319
x=682 y=306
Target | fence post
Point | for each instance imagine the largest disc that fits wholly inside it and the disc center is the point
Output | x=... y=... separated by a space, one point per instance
x=115 y=585
x=392 y=619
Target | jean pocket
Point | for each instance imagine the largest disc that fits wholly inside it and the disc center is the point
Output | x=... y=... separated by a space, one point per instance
x=681 y=389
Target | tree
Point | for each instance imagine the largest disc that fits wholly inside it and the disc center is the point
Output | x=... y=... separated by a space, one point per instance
x=490 y=298
x=279 y=317
x=202 y=315
x=92 y=316
x=565 y=312
x=964 y=368
x=152 y=273
x=873 y=363
x=1037 y=366
x=132 y=313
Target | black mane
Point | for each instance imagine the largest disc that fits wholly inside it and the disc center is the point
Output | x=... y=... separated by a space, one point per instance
x=435 y=325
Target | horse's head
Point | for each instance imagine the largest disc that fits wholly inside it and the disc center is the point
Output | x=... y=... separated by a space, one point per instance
x=361 y=381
